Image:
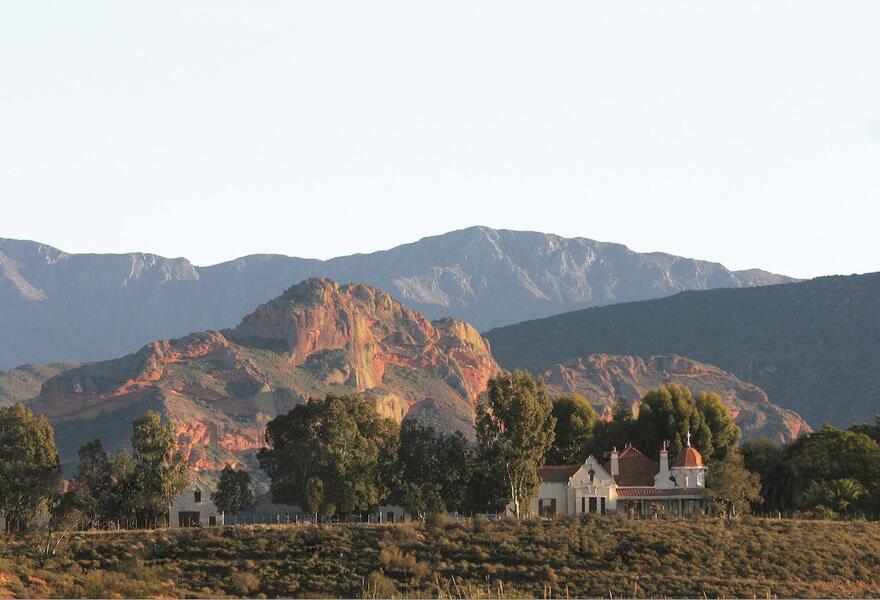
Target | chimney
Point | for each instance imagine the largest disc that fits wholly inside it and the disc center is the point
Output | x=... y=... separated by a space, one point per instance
x=615 y=466
x=661 y=480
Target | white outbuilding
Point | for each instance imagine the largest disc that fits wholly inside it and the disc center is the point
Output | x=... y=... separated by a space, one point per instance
x=193 y=508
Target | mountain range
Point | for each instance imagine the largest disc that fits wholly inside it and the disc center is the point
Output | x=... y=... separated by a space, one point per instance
x=60 y=307
x=812 y=345
x=219 y=388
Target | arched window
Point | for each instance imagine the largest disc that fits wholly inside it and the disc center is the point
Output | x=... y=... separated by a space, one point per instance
x=591 y=473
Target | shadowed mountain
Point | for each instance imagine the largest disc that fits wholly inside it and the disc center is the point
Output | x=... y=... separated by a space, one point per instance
x=58 y=307
x=812 y=345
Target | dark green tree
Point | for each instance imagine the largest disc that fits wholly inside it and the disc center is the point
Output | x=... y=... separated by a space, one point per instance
x=872 y=431
x=616 y=432
x=338 y=440
x=486 y=492
x=725 y=432
x=434 y=469
x=515 y=430
x=765 y=457
x=160 y=473
x=235 y=491
x=669 y=414
x=839 y=496
x=313 y=496
x=575 y=424
x=30 y=473
x=731 y=485
x=118 y=501
x=84 y=491
x=831 y=454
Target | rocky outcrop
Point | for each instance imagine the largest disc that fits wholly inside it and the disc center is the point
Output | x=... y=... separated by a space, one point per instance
x=75 y=307
x=219 y=388
x=603 y=378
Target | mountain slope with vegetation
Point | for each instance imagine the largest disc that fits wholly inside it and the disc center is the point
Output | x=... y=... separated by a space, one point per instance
x=604 y=378
x=56 y=306
x=812 y=346
x=219 y=388
x=24 y=383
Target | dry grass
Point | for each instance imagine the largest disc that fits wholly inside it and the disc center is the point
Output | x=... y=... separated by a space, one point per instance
x=482 y=559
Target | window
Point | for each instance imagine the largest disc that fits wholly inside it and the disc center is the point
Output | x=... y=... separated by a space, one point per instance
x=592 y=505
x=547 y=507
x=188 y=518
x=212 y=521
x=197 y=496
x=591 y=473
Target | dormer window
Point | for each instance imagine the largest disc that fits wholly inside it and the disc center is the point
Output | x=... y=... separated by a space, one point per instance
x=197 y=496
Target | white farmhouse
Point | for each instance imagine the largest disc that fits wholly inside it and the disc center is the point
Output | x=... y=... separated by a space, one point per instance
x=193 y=508
x=630 y=481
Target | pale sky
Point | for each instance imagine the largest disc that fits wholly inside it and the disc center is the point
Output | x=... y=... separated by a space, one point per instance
x=746 y=132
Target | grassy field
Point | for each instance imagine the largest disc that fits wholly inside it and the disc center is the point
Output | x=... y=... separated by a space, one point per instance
x=564 y=558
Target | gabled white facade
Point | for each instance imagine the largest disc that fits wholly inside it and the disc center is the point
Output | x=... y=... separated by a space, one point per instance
x=629 y=482
x=591 y=489
x=193 y=508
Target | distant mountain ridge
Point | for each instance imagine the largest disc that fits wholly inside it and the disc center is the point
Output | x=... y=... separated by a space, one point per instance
x=812 y=346
x=59 y=307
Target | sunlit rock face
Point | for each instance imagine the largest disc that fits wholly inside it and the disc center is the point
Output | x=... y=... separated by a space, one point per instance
x=219 y=388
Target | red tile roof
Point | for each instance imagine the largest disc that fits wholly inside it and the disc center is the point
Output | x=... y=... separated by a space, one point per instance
x=635 y=469
x=650 y=492
x=557 y=474
x=689 y=457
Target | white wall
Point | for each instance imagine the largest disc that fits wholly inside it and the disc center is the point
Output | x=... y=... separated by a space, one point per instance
x=547 y=491
x=186 y=502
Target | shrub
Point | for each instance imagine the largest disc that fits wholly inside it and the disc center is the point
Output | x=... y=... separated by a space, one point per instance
x=439 y=520
x=244 y=584
x=378 y=585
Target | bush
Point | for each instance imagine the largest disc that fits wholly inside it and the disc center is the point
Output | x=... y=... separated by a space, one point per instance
x=244 y=584
x=438 y=520
x=379 y=586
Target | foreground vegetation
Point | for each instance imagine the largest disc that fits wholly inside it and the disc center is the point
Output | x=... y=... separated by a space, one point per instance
x=594 y=557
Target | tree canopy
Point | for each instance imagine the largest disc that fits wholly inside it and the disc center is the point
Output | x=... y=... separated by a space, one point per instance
x=733 y=486
x=575 y=424
x=337 y=440
x=30 y=472
x=671 y=412
x=433 y=471
x=235 y=491
x=515 y=429
x=160 y=473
